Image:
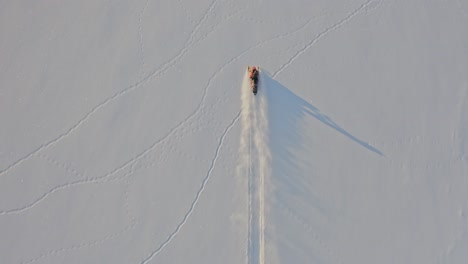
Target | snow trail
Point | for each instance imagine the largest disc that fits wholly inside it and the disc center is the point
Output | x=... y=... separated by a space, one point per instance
x=254 y=162
x=245 y=148
x=263 y=152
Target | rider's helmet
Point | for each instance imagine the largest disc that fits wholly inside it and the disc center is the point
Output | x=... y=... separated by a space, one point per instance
x=254 y=68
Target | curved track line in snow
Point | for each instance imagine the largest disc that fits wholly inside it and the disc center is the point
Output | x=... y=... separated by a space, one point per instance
x=133 y=223
x=320 y=35
x=159 y=141
x=48 y=193
x=197 y=196
x=82 y=245
x=55 y=189
x=163 y=68
x=116 y=170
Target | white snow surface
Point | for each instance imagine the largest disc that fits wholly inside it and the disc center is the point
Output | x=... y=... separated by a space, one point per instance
x=129 y=134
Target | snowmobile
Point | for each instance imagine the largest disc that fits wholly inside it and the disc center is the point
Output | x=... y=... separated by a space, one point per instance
x=253 y=76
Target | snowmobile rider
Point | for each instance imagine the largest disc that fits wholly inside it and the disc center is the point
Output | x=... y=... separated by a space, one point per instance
x=254 y=74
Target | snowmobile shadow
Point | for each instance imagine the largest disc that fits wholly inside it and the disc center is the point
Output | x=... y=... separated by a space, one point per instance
x=296 y=199
x=289 y=107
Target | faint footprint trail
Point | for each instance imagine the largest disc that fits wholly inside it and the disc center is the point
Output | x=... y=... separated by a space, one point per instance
x=133 y=222
x=197 y=196
x=124 y=165
x=254 y=164
x=162 y=69
x=83 y=245
x=140 y=35
x=320 y=35
x=106 y=176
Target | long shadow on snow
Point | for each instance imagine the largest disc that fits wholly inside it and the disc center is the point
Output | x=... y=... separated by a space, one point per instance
x=292 y=191
x=294 y=107
x=287 y=108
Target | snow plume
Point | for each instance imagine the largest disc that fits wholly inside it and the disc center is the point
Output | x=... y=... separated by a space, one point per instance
x=246 y=127
x=255 y=164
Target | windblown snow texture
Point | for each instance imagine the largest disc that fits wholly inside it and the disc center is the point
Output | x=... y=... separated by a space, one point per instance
x=128 y=136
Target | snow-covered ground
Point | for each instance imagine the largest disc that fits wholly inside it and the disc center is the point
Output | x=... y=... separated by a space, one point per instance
x=129 y=133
